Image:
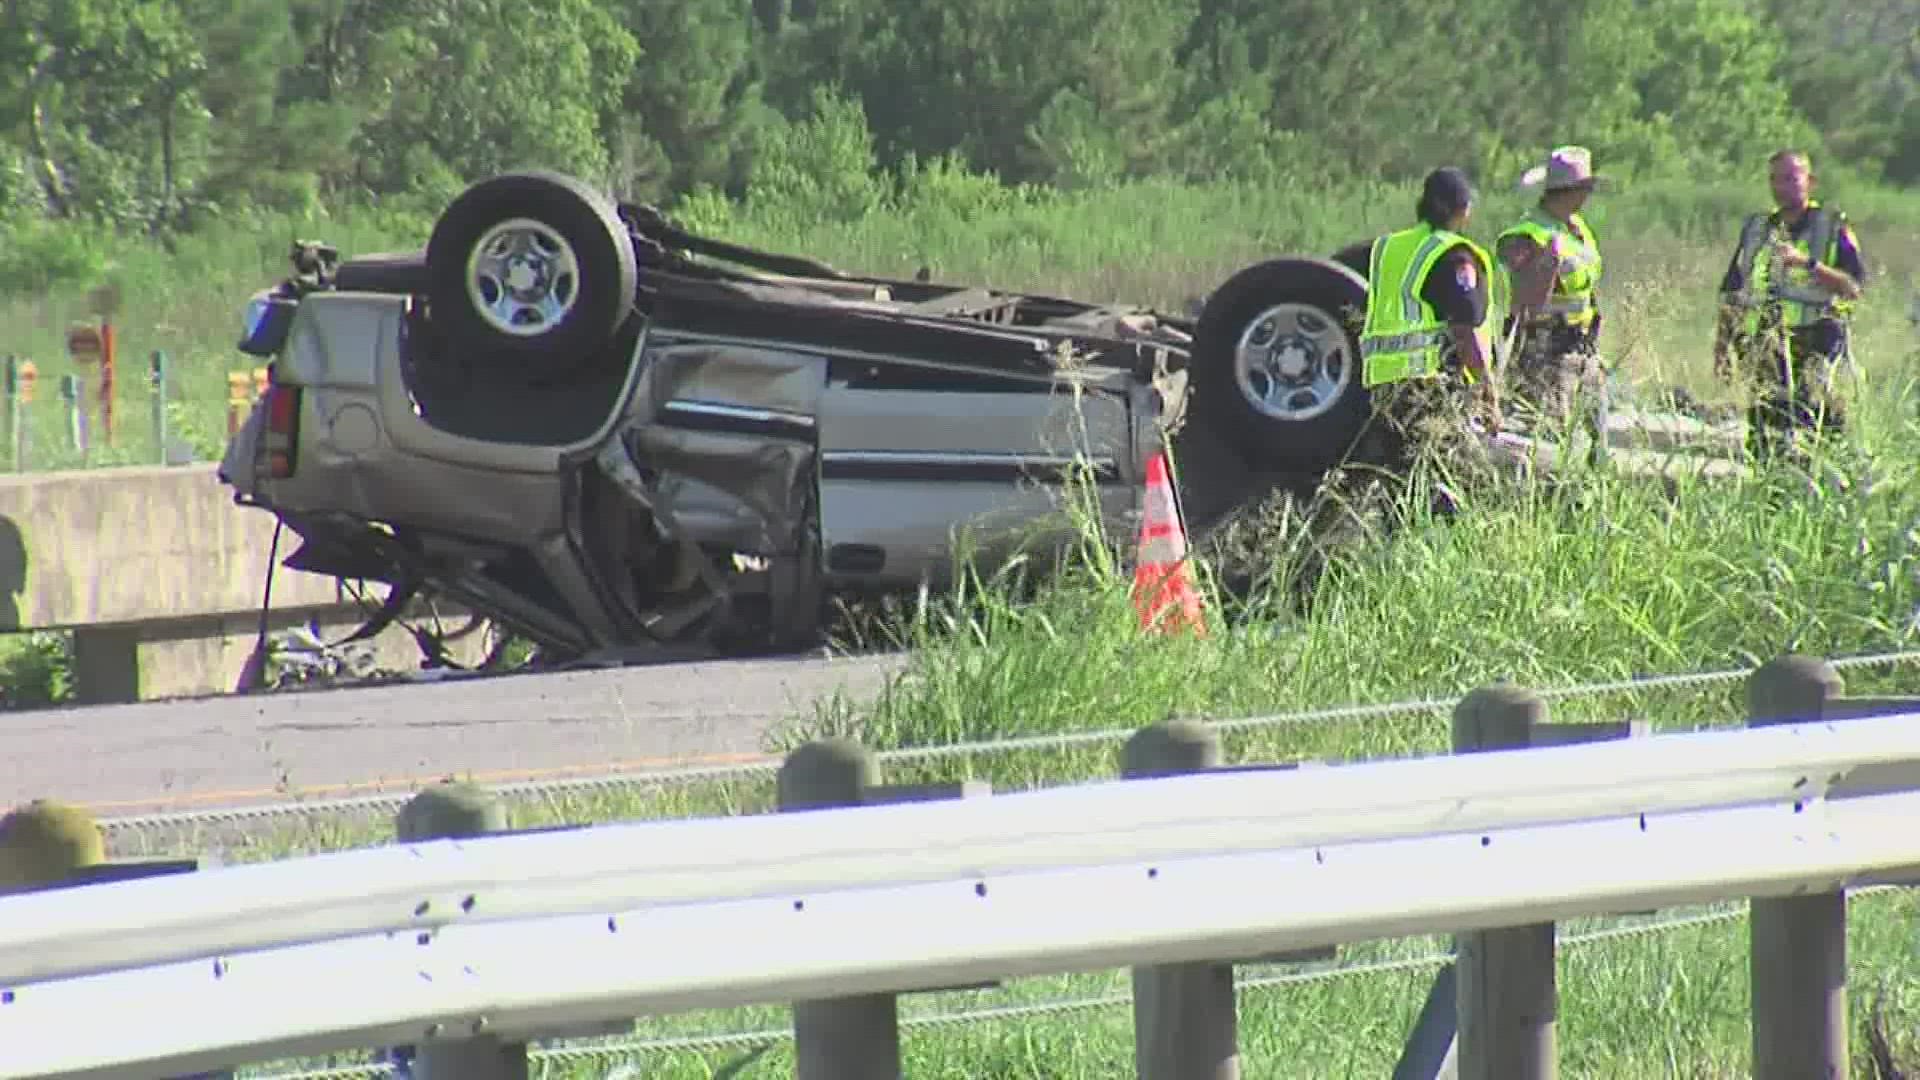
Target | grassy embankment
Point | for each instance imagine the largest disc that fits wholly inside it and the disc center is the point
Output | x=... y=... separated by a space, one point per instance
x=1548 y=589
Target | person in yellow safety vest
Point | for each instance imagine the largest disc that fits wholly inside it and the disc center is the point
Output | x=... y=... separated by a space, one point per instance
x=1785 y=305
x=1425 y=345
x=1554 y=263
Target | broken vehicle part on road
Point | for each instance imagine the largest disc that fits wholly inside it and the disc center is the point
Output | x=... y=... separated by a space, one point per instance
x=605 y=432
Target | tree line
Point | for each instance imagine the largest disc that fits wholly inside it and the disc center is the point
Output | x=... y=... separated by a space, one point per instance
x=158 y=115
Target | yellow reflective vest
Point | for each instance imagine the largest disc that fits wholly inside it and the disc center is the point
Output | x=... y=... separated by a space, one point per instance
x=1403 y=336
x=1578 y=260
x=1799 y=299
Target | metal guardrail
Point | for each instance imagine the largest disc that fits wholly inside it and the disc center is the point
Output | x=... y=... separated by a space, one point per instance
x=503 y=939
x=433 y=886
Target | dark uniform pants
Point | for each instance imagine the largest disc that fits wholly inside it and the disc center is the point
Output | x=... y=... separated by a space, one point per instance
x=1793 y=377
x=1421 y=418
x=1556 y=373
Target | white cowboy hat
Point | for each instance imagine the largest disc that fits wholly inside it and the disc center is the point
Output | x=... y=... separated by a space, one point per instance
x=1566 y=167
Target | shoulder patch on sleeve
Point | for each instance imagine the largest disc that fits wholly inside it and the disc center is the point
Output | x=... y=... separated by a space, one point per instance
x=1465 y=274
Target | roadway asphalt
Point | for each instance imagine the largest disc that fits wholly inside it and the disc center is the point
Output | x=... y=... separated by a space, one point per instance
x=227 y=751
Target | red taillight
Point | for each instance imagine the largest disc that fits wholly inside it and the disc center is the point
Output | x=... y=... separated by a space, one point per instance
x=283 y=409
x=279 y=440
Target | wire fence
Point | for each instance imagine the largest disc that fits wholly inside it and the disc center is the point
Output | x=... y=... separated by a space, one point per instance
x=574 y=787
x=607 y=1052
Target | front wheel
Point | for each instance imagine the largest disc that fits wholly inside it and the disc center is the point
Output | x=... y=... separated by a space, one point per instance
x=1276 y=363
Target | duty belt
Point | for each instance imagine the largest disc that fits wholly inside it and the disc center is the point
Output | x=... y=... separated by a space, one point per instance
x=1818 y=300
x=1577 y=305
x=1811 y=295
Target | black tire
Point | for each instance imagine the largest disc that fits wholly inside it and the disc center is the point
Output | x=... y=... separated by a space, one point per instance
x=601 y=287
x=1328 y=301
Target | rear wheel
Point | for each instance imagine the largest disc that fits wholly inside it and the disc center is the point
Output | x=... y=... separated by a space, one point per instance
x=535 y=268
x=1276 y=363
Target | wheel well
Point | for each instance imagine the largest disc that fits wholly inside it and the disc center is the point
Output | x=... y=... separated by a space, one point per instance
x=1291 y=274
x=1357 y=257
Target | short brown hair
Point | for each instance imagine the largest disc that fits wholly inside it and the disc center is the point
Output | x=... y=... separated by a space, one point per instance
x=1790 y=154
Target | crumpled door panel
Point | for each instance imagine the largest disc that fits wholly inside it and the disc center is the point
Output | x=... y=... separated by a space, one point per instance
x=727 y=436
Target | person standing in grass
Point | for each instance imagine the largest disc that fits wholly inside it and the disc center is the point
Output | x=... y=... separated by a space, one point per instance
x=1554 y=263
x=1425 y=346
x=1785 y=306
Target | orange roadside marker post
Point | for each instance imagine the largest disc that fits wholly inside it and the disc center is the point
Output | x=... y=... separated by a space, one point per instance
x=25 y=375
x=107 y=350
x=239 y=388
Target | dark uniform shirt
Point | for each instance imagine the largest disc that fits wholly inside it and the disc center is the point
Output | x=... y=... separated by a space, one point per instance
x=1457 y=288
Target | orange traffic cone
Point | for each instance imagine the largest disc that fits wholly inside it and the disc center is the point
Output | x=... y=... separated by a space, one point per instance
x=1162 y=577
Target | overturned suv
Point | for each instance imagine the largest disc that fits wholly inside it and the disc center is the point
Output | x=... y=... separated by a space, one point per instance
x=604 y=432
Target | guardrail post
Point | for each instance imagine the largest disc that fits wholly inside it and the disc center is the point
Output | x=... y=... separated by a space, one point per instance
x=1506 y=1000
x=1185 y=1017
x=1798 y=944
x=44 y=842
x=849 y=1038
x=1432 y=1049
x=50 y=845
x=449 y=811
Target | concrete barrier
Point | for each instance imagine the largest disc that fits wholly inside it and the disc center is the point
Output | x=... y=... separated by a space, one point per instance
x=1521 y=453
x=159 y=575
x=1637 y=429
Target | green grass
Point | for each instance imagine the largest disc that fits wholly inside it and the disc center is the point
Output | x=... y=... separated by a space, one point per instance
x=1711 y=580
x=1602 y=580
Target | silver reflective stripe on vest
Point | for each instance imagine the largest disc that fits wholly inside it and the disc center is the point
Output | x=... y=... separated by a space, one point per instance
x=1820 y=235
x=1583 y=253
x=1573 y=306
x=1819 y=239
x=1810 y=295
x=1407 y=342
x=1411 y=306
x=1408 y=354
x=1579 y=260
x=1752 y=235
